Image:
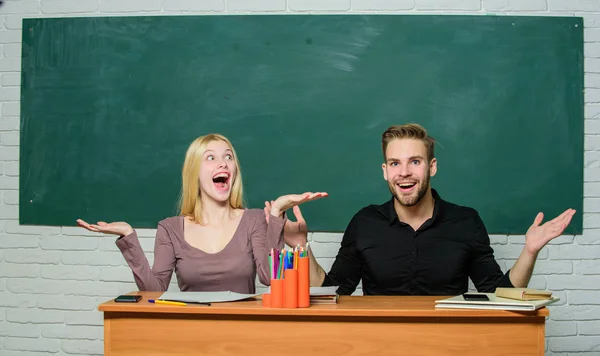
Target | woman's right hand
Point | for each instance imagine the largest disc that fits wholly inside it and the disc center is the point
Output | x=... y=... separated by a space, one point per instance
x=116 y=228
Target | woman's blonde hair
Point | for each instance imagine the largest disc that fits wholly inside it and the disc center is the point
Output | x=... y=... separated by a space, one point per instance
x=190 y=202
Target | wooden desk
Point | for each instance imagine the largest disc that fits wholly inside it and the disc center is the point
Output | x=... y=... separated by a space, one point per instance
x=355 y=326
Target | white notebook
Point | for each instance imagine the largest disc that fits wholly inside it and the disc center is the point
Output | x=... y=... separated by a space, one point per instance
x=494 y=302
x=205 y=297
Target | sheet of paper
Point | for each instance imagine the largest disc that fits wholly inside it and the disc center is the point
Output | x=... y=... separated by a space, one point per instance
x=324 y=290
x=205 y=297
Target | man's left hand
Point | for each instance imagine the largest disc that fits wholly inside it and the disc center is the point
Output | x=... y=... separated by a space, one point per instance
x=538 y=236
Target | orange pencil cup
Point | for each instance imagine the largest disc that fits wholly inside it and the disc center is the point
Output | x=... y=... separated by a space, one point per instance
x=266 y=300
x=303 y=282
x=290 y=289
x=277 y=293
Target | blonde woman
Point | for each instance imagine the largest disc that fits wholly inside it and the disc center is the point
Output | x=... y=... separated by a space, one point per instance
x=215 y=244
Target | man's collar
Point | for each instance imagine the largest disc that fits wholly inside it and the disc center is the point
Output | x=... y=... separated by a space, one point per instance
x=389 y=211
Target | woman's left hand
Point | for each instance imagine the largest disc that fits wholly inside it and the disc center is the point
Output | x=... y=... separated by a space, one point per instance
x=285 y=202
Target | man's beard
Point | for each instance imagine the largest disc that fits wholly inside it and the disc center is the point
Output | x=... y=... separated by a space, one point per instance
x=411 y=200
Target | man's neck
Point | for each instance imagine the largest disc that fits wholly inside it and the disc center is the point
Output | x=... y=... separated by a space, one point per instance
x=417 y=214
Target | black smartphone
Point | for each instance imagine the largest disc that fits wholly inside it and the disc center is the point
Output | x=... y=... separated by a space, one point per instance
x=474 y=297
x=128 y=298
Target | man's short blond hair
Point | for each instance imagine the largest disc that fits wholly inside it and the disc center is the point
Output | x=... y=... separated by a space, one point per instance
x=414 y=131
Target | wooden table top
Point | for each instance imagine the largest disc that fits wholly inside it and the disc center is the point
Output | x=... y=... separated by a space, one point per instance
x=348 y=306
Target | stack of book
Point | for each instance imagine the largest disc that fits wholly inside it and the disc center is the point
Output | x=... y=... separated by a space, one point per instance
x=523 y=294
x=323 y=295
x=517 y=299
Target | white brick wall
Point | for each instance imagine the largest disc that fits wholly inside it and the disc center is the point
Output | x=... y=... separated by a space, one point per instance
x=51 y=279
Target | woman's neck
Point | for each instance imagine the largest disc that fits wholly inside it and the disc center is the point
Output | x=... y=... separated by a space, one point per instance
x=216 y=213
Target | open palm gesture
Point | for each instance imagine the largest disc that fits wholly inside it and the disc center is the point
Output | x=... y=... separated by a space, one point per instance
x=538 y=236
x=115 y=228
x=285 y=202
x=295 y=232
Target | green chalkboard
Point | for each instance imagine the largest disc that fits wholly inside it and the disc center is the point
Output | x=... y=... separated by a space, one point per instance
x=109 y=106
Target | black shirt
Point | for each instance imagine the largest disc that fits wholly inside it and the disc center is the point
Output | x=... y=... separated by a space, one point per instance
x=437 y=259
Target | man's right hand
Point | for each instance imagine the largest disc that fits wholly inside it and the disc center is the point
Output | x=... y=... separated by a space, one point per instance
x=115 y=228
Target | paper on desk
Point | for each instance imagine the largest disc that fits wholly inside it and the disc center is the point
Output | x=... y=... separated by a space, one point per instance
x=205 y=297
x=318 y=291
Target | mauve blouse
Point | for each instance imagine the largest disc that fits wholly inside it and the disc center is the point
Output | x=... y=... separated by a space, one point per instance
x=232 y=269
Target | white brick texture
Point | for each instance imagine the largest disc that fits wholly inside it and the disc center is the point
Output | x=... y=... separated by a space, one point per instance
x=444 y=5
x=69 y=6
x=574 y=5
x=382 y=5
x=144 y=6
x=264 y=5
x=514 y=5
x=20 y=7
x=52 y=278
x=319 y=5
x=187 y=6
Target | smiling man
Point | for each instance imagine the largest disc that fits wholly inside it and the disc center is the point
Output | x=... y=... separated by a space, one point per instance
x=419 y=244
